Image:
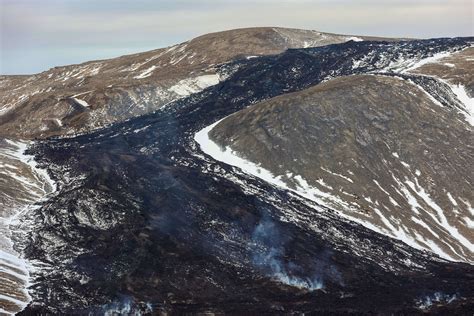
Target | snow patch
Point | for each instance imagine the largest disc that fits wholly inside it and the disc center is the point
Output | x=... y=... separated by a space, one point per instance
x=355 y=39
x=189 y=86
x=338 y=175
x=229 y=157
x=467 y=101
x=146 y=73
x=441 y=218
x=469 y=222
x=424 y=61
x=81 y=102
x=451 y=199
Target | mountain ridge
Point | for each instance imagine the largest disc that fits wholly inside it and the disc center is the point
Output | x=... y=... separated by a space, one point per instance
x=139 y=218
x=198 y=235
x=116 y=89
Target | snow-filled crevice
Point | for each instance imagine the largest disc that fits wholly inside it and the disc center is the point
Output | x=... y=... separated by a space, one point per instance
x=29 y=185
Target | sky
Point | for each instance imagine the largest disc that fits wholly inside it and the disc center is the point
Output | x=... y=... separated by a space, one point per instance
x=36 y=35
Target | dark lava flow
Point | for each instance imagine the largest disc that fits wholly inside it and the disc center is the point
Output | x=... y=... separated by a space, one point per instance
x=144 y=221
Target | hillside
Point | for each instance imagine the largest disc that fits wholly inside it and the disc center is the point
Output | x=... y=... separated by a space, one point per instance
x=80 y=98
x=376 y=148
x=144 y=213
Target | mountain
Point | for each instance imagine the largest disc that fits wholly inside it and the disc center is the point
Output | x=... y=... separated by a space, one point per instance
x=143 y=213
x=79 y=98
x=376 y=148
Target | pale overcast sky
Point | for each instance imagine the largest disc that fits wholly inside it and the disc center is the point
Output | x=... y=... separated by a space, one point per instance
x=36 y=35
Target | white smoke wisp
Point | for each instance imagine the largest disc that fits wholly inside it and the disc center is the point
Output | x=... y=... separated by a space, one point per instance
x=126 y=305
x=269 y=254
x=436 y=298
